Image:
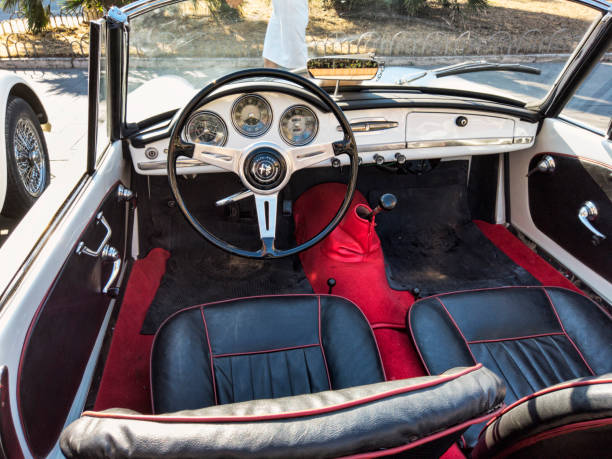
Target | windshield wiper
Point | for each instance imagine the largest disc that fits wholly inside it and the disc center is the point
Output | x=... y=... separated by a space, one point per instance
x=470 y=67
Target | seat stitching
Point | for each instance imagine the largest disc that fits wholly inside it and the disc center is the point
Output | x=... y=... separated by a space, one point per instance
x=513 y=338
x=458 y=329
x=550 y=362
x=518 y=367
x=321 y=345
x=266 y=351
x=210 y=353
x=564 y=331
x=501 y=371
x=565 y=357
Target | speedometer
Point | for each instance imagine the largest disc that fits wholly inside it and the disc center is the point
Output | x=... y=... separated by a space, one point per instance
x=298 y=125
x=206 y=128
x=251 y=115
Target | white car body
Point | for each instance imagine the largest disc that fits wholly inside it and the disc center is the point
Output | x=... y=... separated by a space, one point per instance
x=13 y=85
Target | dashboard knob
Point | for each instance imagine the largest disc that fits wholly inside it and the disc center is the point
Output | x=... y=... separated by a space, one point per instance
x=401 y=159
x=461 y=121
x=336 y=163
x=379 y=159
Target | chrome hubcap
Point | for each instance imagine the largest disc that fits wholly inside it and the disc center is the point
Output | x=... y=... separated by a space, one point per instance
x=29 y=157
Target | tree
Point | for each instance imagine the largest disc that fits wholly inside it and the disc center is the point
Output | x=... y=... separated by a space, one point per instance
x=33 y=10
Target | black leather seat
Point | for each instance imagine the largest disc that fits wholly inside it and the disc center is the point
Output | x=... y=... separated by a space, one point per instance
x=533 y=338
x=266 y=347
x=284 y=376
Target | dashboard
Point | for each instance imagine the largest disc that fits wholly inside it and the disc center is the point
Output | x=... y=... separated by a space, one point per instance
x=384 y=135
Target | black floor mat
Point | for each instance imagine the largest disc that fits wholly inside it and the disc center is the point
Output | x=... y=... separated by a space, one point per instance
x=197 y=272
x=430 y=242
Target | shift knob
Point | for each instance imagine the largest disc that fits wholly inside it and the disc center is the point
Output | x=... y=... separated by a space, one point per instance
x=387 y=201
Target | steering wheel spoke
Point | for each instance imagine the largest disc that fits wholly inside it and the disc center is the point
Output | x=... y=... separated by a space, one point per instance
x=266 y=205
x=310 y=155
x=222 y=157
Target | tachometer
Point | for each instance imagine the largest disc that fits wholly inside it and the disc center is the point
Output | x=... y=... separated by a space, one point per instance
x=251 y=115
x=298 y=125
x=207 y=128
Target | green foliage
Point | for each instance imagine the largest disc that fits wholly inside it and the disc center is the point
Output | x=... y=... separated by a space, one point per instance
x=34 y=11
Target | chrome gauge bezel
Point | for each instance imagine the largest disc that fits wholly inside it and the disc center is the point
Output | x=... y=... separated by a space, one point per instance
x=214 y=115
x=309 y=139
x=239 y=129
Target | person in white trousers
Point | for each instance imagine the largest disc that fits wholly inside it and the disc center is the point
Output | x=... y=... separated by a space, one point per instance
x=285 y=42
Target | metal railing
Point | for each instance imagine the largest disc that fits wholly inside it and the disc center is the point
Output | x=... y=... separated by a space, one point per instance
x=56 y=41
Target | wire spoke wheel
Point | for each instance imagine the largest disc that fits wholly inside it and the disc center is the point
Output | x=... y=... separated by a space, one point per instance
x=29 y=157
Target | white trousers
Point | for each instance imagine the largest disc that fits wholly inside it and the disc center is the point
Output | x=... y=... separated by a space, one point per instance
x=285 y=42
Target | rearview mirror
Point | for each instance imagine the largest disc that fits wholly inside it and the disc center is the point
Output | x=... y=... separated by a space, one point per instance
x=342 y=68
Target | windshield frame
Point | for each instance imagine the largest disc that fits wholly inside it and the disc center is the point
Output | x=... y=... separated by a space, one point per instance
x=578 y=61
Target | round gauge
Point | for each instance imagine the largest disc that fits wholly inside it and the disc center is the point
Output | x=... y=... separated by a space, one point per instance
x=251 y=115
x=298 y=125
x=207 y=128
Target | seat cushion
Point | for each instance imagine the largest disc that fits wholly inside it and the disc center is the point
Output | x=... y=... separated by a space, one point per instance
x=532 y=337
x=419 y=417
x=260 y=348
x=571 y=419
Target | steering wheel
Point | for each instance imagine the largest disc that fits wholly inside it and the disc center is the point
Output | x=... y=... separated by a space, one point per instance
x=263 y=167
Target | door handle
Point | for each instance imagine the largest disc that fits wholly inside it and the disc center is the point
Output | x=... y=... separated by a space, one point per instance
x=107 y=253
x=587 y=214
x=111 y=253
x=83 y=249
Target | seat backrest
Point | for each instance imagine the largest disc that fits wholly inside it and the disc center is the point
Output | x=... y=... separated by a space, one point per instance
x=419 y=417
x=572 y=419
x=260 y=348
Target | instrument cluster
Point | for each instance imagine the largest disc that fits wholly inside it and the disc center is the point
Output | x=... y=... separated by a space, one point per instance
x=252 y=116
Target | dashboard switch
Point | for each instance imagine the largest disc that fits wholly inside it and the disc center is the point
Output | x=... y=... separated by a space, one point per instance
x=401 y=159
x=336 y=163
x=379 y=159
x=461 y=121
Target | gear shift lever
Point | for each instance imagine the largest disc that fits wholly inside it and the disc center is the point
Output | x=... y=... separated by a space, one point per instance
x=386 y=202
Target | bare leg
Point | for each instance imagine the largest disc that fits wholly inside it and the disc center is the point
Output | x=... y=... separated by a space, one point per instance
x=269 y=64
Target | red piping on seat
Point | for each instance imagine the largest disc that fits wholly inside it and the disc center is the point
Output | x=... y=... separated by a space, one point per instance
x=235 y=354
x=458 y=329
x=566 y=335
x=321 y=344
x=552 y=433
x=549 y=390
x=210 y=353
x=422 y=441
x=292 y=414
x=513 y=338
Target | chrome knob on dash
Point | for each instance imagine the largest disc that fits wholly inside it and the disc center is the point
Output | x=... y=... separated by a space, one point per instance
x=379 y=159
x=546 y=165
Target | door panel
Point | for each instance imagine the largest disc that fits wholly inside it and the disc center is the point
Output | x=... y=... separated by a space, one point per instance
x=545 y=206
x=63 y=333
x=573 y=183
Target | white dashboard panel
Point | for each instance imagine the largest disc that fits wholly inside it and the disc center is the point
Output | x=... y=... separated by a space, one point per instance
x=424 y=126
x=411 y=134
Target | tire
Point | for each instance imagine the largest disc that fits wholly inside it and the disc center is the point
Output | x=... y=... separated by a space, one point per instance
x=23 y=189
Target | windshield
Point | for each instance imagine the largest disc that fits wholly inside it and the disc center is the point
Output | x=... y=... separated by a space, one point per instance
x=176 y=49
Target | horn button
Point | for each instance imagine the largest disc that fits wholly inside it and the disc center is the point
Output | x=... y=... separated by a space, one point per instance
x=265 y=168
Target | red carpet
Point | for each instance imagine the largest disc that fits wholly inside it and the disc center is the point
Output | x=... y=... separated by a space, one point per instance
x=362 y=279
x=125 y=381
x=524 y=256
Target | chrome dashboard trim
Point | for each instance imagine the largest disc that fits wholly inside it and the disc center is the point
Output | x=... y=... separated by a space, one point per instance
x=460 y=142
x=373 y=125
x=163 y=164
x=381 y=147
